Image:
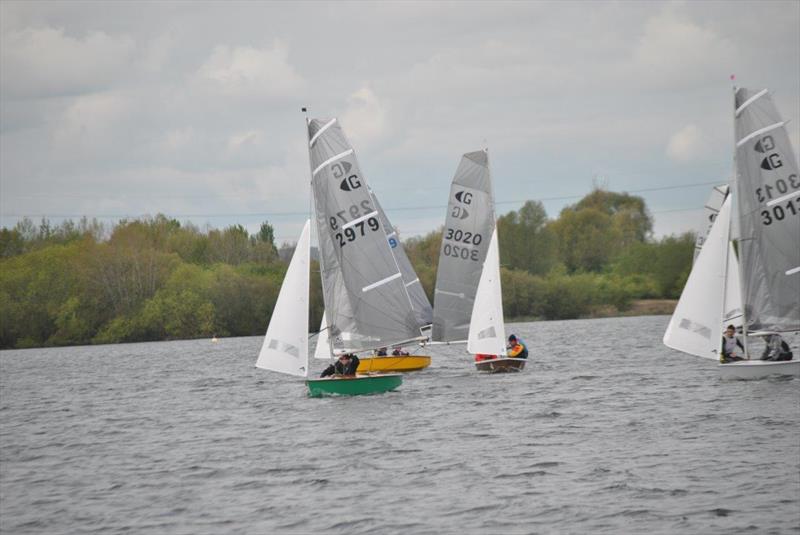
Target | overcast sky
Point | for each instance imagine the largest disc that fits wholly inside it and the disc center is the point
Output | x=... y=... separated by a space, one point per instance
x=193 y=109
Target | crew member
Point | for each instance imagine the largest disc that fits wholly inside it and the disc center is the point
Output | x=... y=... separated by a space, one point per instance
x=517 y=348
x=730 y=346
x=345 y=366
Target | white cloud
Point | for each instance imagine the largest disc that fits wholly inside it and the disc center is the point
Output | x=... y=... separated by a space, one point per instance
x=246 y=70
x=687 y=144
x=365 y=118
x=245 y=140
x=88 y=125
x=677 y=52
x=46 y=61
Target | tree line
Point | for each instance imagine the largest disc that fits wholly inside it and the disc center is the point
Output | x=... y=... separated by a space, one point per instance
x=157 y=279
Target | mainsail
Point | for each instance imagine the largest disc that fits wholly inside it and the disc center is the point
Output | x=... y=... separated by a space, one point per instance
x=465 y=242
x=367 y=304
x=285 y=347
x=422 y=307
x=767 y=189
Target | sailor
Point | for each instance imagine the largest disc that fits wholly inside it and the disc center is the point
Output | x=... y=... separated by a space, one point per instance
x=517 y=348
x=381 y=352
x=776 y=348
x=398 y=352
x=345 y=366
x=730 y=346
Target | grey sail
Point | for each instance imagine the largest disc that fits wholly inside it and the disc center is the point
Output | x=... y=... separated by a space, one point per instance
x=367 y=304
x=465 y=241
x=422 y=307
x=711 y=209
x=767 y=189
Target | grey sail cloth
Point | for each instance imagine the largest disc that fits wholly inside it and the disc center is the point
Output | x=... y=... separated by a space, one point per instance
x=422 y=307
x=768 y=196
x=366 y=301
x=711 y=209
x=465 y=241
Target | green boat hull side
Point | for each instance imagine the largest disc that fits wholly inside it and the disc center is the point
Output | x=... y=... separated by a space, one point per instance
x=354 y=386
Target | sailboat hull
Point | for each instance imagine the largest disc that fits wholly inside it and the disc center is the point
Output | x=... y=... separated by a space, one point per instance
x=757 y=369
x=505 y=365
x=405 y=363
x=353 y=386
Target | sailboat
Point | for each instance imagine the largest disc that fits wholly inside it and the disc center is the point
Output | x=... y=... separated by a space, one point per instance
x=372 y=297
x=285 y=346
x=760 y=287
x=420 y=304
x=367 y=301
x=468 y=303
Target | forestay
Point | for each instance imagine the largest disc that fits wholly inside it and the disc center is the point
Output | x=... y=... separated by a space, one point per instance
x=422 y=307
x=366 y=301
x=323 y=349
x=768 y=195
x=465 y=242
x=285 y=347
x=696 y=324
x=487 y=333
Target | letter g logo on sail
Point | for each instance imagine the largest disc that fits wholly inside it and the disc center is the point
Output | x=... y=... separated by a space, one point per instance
x=464 y=197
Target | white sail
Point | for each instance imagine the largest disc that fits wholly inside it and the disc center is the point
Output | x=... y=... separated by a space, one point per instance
x=285 y=347
x=696 y=324
x=487 y=333
x=323 y=349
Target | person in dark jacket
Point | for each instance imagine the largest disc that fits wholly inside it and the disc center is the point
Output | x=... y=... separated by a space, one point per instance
x=346 y=366
x=730 y=346
x=776 y=349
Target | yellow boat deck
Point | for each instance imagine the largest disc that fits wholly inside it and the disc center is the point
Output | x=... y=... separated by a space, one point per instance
x=402 y=363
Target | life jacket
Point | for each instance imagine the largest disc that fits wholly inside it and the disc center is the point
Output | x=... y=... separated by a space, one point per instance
x=518 y=350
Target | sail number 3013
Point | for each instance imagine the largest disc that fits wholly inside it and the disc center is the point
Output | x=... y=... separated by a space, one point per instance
x=780 y=211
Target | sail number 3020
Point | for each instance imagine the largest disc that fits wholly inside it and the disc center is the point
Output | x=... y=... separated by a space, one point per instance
x=460 y=251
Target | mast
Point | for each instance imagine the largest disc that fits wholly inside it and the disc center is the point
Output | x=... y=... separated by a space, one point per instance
x=312 y=215
x=738 y=192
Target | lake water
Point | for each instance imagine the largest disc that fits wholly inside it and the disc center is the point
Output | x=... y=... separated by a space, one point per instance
x=606 y=431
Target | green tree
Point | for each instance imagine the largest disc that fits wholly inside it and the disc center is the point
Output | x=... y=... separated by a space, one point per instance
x=587 y=239
x=526 y=240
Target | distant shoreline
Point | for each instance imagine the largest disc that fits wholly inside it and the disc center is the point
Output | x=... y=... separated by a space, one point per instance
x=638 y=307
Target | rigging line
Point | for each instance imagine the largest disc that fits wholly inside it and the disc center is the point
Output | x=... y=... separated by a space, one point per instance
x=295 y=213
